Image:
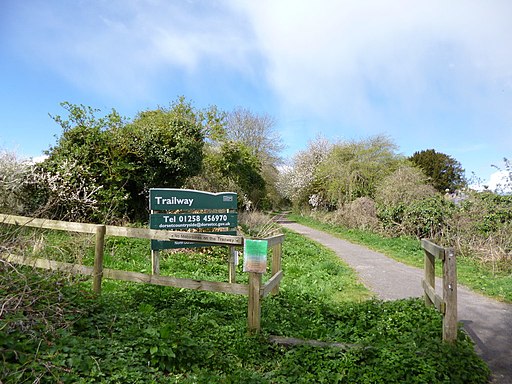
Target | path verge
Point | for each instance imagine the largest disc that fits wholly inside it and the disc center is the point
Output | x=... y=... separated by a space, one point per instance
x=487 y=321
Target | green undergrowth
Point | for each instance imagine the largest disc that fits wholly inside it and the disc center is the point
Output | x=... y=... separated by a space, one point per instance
x=471 y=273
x=53 y=330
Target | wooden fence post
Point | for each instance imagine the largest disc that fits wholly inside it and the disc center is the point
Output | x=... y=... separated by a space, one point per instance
x=450 y=296
x=254 y=311
x=232 y=265
x=276 y=263
x=98 y=259
x=430 y=276
x=155 y=262
x=155 y=258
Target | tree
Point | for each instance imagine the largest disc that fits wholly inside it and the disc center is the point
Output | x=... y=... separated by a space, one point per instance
x=85 y=163
x=444 y=172
x=160 y=148
x=256 y=132
x=297 y=182
x=354 y=169
x=14 y=174
x=232 y=167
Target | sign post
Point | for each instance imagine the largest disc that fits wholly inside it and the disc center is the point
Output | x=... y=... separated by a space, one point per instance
x=190 y=210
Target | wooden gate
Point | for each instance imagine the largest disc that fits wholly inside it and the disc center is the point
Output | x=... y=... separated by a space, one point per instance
x=447 y=304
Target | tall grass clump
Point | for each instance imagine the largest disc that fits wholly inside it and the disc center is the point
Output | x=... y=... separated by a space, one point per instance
x=257 y=224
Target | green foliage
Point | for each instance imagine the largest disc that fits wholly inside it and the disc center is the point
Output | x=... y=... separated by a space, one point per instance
x=444 y=171
x=81 y=180
x=406 y=205
x=354 y=169
x=406 y=185
x=160 y=148
x=232 y=167
x=424 y=218
x=149 y=334
x=494 y=211
x=108 y=165
x=482 y=228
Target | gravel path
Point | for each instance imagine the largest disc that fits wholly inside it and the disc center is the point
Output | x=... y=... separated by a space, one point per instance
x=487 y=321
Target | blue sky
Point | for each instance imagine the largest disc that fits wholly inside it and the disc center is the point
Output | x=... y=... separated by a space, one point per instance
x=429 y=74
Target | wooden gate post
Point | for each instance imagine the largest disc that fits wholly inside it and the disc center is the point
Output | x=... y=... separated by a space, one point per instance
x=447 y=305
x=430 y=276
x=98 y=259
x=155 y=262
x=450 y=296
x=254 y=311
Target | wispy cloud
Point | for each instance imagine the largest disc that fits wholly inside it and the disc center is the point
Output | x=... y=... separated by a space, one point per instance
x=119 y=47
x=362 y=60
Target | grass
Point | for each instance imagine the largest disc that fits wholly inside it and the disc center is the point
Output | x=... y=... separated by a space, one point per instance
x=137 y=333
x=470 y=272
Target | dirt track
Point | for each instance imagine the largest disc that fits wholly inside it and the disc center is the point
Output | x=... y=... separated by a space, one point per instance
x=487 y=321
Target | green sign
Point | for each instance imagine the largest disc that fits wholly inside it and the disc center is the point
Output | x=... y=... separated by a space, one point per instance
x=255 y=255
x=170 y=199
x=186 y=201
x=180 y=221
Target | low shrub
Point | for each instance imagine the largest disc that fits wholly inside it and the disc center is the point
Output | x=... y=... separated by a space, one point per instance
x=360 y=213
x=425 y=218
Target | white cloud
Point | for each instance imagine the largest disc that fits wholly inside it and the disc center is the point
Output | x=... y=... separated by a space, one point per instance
x=352 y=57
x=500 y=181
x=119 y=47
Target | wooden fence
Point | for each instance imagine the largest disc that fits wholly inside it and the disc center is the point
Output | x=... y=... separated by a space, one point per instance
x=255 y=290
x=447 y=304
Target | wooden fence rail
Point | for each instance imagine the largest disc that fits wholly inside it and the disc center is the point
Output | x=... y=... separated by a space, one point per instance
x=447 y=304
x=255 y=290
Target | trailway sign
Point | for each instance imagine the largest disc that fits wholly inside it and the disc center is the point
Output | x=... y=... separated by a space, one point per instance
x=184 y=205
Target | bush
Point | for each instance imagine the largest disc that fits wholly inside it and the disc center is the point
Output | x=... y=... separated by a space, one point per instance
x=101 y=168
x=232 y=167
x=258 y=224
x=425 y=218
x=482 y=226
x=354 y=169
x=360 y=213
x=404 y=186
x=13 y=176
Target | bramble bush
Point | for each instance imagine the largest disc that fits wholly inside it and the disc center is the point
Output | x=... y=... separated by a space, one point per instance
x=425 y=218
